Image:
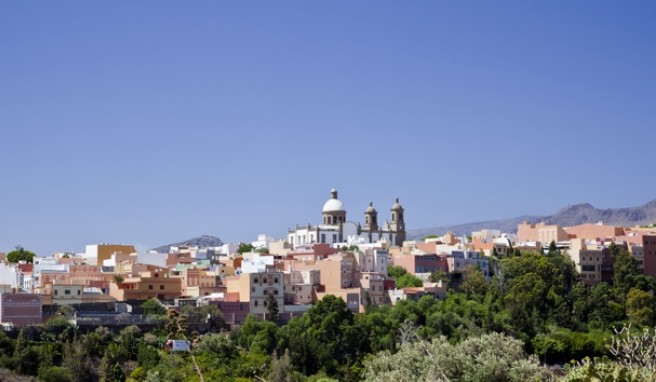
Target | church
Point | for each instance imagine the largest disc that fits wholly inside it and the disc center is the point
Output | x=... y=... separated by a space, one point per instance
x=334 y=227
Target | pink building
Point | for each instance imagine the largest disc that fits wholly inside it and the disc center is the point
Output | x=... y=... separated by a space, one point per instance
x=422 y=263
x=594 y=231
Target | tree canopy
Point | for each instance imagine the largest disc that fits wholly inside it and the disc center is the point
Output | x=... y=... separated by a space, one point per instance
x=20 y=254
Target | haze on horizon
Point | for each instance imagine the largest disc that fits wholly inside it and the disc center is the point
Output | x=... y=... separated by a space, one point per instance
x=152 y=122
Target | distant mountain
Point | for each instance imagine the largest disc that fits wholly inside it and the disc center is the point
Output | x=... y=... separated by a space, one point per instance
x=586 y=213
x=504 y=225
x=566 y=217
x=200 y=241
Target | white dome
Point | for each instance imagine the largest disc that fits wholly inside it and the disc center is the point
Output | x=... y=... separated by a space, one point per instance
x=333 y=205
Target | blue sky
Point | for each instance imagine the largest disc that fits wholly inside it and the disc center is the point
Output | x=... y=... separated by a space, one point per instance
x=151 y=122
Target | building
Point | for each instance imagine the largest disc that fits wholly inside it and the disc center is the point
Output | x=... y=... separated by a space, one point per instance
x=154 y=283
x=254 y=287
x=21 y=309
x=588 y=259
x=97 y=253
x=335 y=228
x=422 y=264
x=541 y=233
x=597 y=231
x=458 y=260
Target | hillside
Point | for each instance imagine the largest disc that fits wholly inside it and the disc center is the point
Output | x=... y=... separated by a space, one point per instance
x=200 y=241
x=566 y=217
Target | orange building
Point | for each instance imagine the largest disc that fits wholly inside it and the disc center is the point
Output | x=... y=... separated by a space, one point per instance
x=153 y=284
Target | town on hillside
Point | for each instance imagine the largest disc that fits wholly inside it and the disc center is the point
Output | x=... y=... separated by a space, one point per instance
x=368 y=263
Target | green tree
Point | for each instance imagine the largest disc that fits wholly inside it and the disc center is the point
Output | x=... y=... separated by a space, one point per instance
x=324 y=338
x=25 y=359
x=282 y=369
x=474 y=284
x=54 y=374
x=78 y=362
x=409 y=281
x=20 y=254
x=152 y=306
x=490 y=357
x=624 y=269
x=553 y=249
x=640 y=307
x=244 y=248
x=438 y=276
x=272 y=307
x=212 y=315
x=396 y=271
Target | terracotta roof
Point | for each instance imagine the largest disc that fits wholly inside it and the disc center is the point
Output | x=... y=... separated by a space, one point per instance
x=26 y=268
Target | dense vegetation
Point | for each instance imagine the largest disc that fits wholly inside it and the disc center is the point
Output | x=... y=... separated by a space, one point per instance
x=534 y=312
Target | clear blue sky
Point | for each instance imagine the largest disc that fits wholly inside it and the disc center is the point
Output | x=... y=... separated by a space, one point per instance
x=151 y=122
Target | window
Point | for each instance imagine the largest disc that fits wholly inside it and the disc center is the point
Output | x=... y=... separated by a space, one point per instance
x=78 y=292
x=150 y=287
x=255 y=303
x=265 y=280
x=275 y=292
x=256 y=280
x=56 y=292
x=275 y=280
x=161 y=287
x=67 y=291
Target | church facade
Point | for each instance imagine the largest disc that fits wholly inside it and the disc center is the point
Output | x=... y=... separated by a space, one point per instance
x=335 y=228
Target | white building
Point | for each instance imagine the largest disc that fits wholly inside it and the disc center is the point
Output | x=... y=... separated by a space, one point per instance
x=9 y=275
x=263 y=241
x=256 y=264
x=335 y=229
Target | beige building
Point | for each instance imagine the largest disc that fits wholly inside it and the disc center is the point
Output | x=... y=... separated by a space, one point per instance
x=541 y=233
x=253 y=288
x=199 y=282
x=588 y=260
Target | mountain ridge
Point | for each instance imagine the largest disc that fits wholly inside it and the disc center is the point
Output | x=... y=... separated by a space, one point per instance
x=199 y=241
x=572 y=215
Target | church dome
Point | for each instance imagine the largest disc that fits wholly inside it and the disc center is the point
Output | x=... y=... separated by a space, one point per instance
x=397 y=205
x=333 y=204
x=370 y=209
